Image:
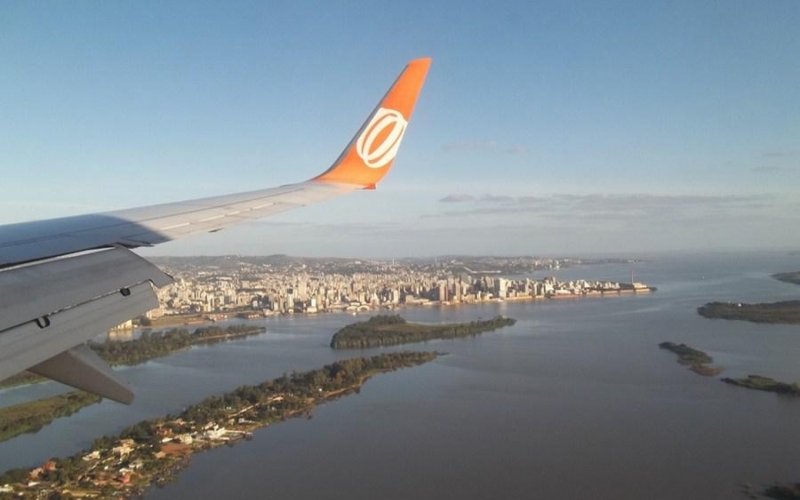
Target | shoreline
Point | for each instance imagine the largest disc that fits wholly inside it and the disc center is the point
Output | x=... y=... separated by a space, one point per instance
x=251 y=314
x=153 y=451
x=390 y=330
x=114 y=357
x=784 y=312
x=696 y=360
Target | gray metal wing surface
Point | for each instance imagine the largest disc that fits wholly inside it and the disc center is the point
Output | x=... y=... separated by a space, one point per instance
x=64 y=281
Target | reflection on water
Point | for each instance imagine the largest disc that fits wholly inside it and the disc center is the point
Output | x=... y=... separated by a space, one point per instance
x=574 y=401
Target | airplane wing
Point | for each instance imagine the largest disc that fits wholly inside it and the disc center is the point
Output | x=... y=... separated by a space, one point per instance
x=64 y=281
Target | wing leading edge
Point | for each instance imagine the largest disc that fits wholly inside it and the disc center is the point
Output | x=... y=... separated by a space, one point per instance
x=38 y=258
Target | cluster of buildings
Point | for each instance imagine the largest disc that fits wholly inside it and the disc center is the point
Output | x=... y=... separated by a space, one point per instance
x=252 y=287
x=125 y=466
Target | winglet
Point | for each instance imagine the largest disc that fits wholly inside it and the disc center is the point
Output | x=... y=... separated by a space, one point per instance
x=370 y=154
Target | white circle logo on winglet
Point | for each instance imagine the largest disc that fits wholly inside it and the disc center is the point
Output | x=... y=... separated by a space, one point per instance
x=378 y=143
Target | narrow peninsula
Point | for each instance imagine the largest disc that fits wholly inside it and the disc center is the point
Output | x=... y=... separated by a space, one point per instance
x=786 y=312
x=697 y=361
x=386 y=330
x=152 y=452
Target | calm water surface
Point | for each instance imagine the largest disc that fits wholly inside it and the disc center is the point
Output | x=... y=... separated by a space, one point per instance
x=574 y=401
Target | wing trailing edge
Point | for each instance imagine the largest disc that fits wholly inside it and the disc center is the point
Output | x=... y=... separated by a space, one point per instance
x=55 y=306
x=81 y=367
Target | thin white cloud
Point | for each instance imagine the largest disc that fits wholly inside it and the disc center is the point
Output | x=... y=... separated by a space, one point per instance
x=771 y=169
x=485 y=146
x=786 y=153
x=457 y=198
x=614 y=206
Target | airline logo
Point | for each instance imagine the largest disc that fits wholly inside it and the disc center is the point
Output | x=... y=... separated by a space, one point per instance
x=378 y=144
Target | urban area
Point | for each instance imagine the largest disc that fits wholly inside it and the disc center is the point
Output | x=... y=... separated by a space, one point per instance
x=262 y=286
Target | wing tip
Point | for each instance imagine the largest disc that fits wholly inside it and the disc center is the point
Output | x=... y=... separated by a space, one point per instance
x=427 y=60
x=371 y=153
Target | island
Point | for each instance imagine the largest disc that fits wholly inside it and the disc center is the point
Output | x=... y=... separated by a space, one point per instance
x=697 y=361
x=785 y=312
x=155 y=345
x=149 y=345
x=385 y=330
x=761 y=383
x=791 y=277
x=152 y=452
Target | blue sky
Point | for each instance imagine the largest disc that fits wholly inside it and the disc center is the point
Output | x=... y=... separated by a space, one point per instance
x=545 y=128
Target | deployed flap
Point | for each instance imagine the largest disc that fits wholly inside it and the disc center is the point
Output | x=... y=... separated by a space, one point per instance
x=40 y=289
x=27 y=345
x=82 y=368
x=50 y=307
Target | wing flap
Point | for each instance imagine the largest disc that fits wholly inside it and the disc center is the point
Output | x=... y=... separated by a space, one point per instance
x=31 y=343
x=36 y=290
x=51 y=307
x=82 y=368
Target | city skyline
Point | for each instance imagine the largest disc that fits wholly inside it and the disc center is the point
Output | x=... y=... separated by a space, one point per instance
x=544 y=129
x=261 y=287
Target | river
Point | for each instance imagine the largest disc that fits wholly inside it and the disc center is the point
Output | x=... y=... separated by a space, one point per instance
x=574 y=401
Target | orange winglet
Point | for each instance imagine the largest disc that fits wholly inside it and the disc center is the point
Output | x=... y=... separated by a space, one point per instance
x=370 y=154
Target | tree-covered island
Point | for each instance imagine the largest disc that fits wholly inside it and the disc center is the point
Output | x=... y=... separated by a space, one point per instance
x=783 y=491
x=150 y=345
x=791 y=277
x=153 y=451
x=387 y=330
x=155 y=345
x=697 y=361
x=761 y=383
x=786 y=312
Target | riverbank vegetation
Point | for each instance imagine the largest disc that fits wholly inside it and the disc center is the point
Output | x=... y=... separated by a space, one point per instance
x=153 y=451
x=393 y=330
x=150 y=345
x=154 y=345
x=786 y=312
x=697 y=361
x=21 y=378
x=32 y=416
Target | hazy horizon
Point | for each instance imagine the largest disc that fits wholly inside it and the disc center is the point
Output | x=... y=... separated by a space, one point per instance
x=152 y=253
